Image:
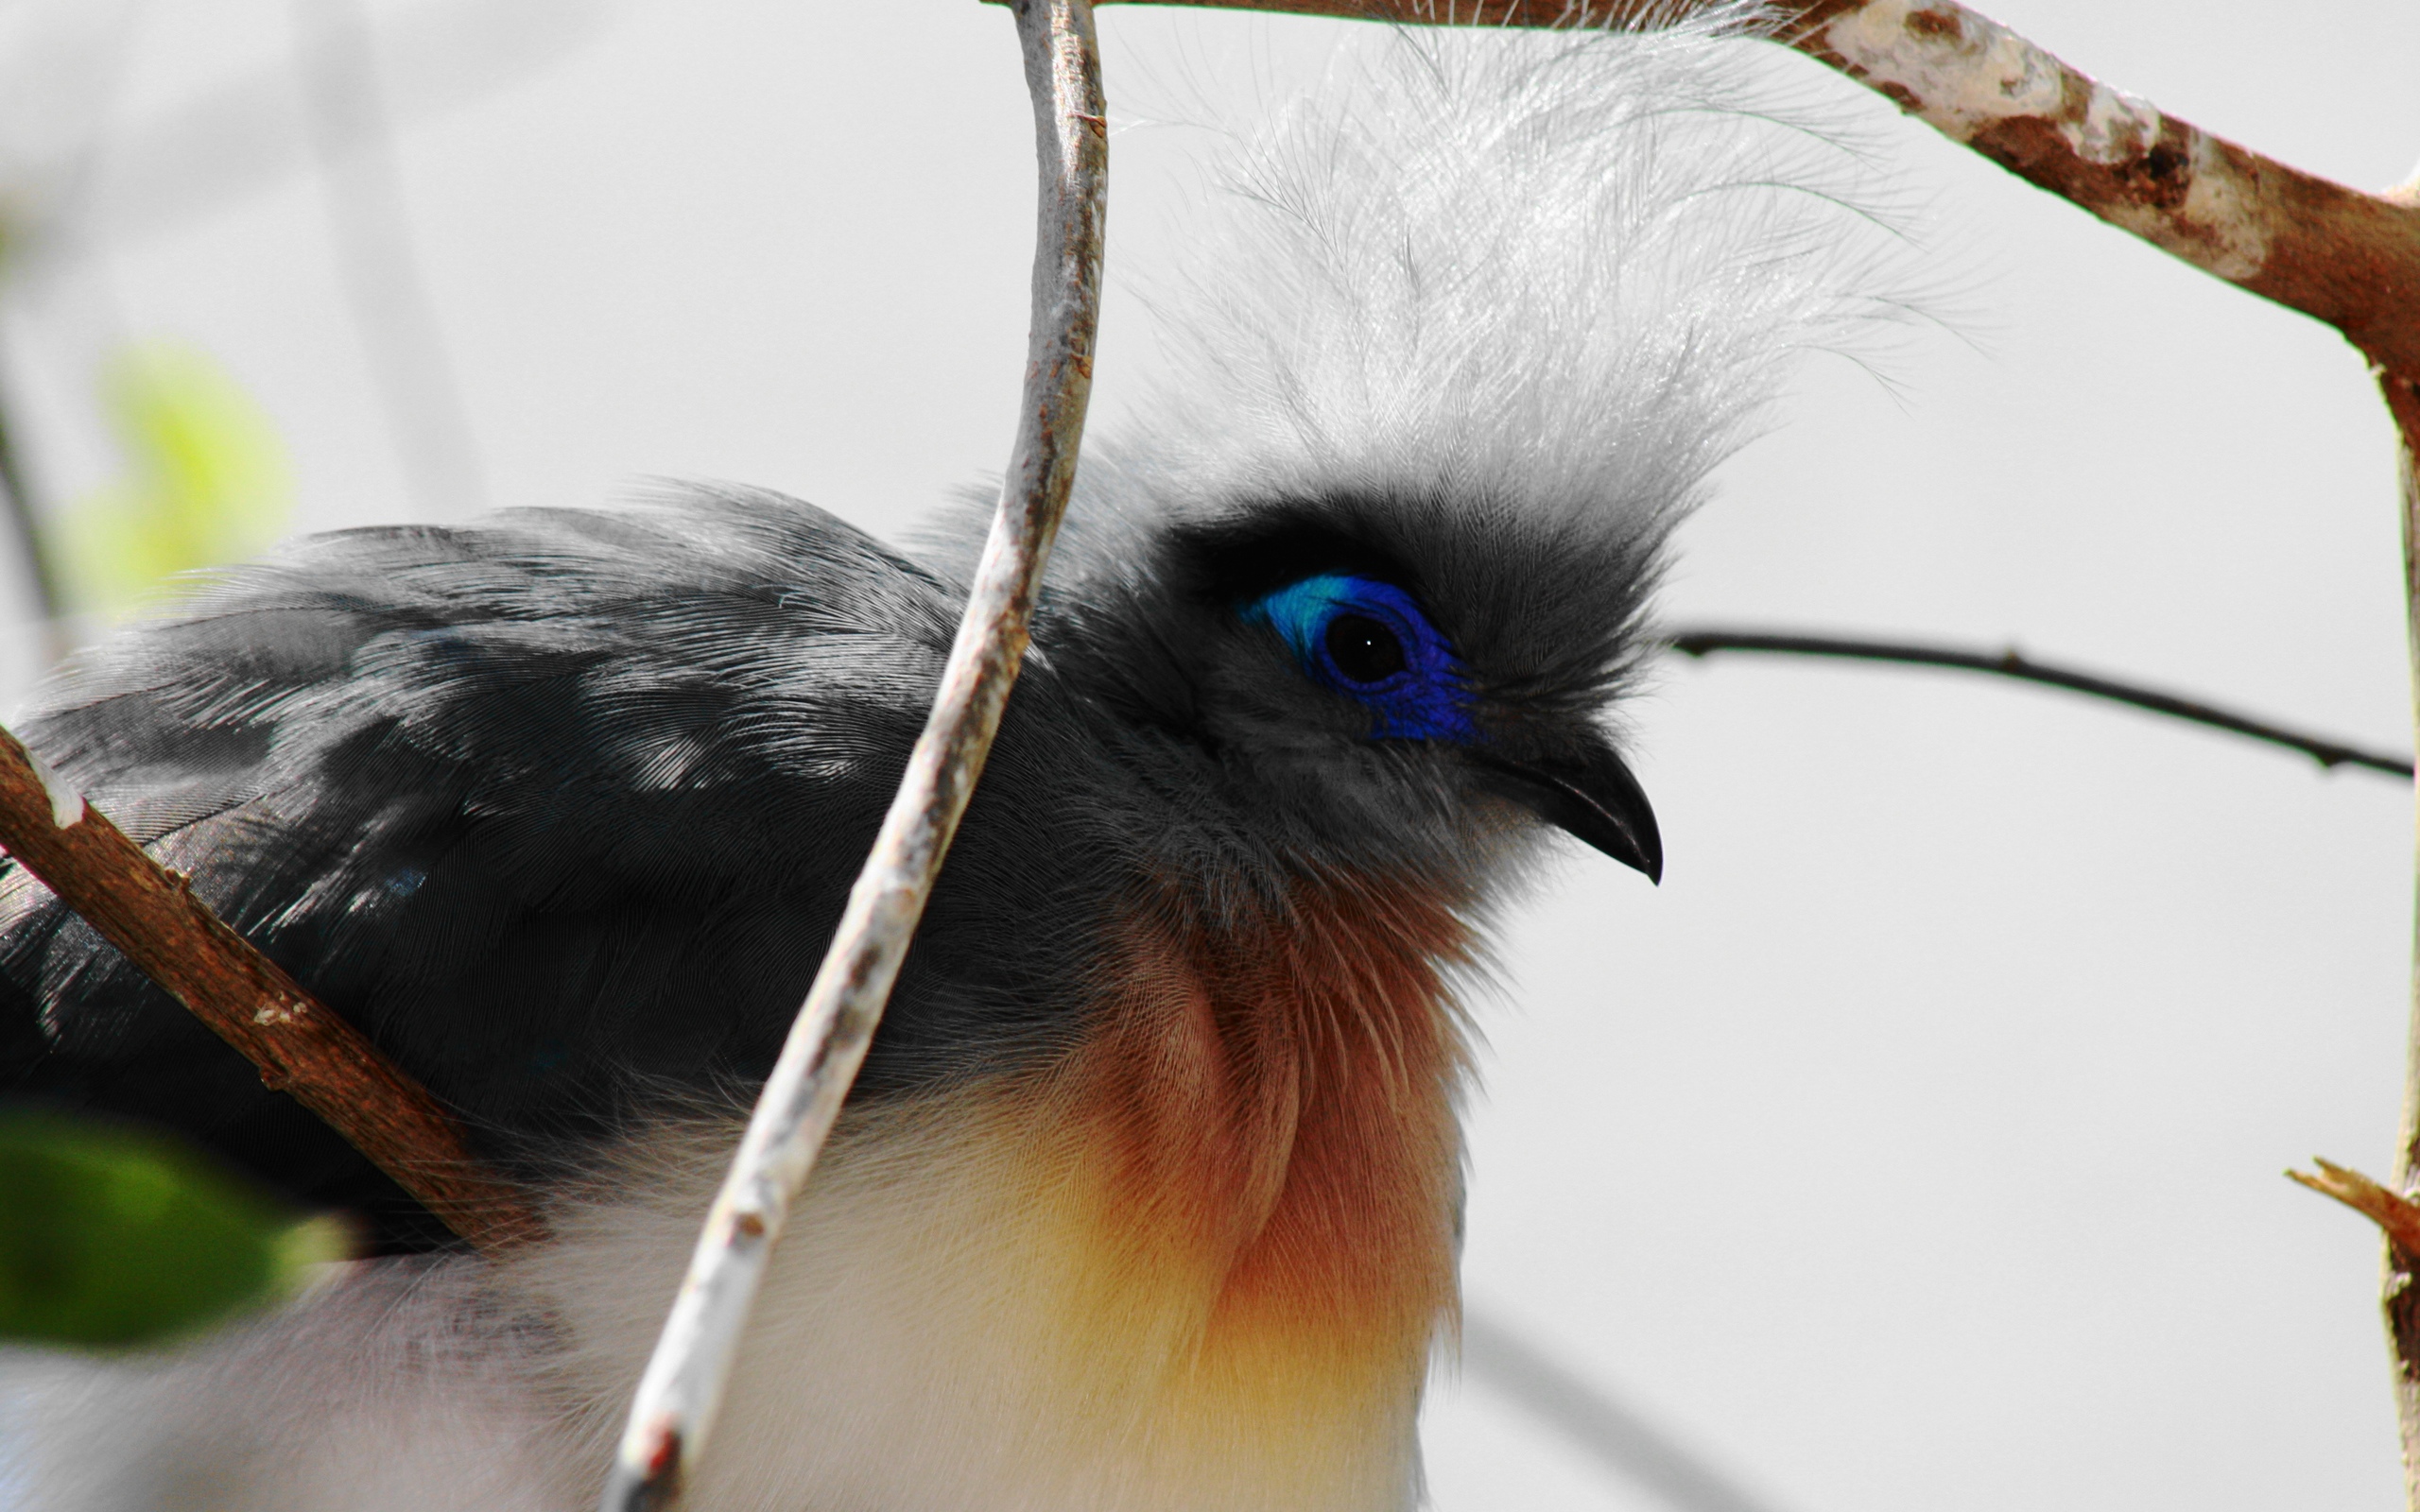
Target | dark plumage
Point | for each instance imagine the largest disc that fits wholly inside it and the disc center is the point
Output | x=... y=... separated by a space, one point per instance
x=1147 y=1197
x=560 y=809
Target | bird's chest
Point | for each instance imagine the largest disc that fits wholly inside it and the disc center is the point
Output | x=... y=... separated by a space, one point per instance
x=1196 y=1264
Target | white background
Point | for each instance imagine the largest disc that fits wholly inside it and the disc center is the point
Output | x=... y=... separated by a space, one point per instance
x=1916 y=1146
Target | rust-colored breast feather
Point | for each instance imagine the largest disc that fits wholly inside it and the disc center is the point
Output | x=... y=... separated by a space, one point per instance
x=1268 y=1104
x=1194 y=1266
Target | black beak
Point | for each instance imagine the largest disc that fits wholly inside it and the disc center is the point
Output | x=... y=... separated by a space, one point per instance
x=1594 y=799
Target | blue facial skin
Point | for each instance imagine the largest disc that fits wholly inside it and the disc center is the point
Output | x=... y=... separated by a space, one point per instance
x=1425 y=699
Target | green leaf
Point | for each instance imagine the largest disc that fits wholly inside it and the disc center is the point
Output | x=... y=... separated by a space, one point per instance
x=111 y=1236
x=206 y=481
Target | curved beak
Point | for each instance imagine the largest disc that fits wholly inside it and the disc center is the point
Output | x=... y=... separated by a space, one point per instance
x=1594 y=799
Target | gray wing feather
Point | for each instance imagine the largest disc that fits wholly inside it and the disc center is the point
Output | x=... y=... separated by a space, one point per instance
x=560 y=809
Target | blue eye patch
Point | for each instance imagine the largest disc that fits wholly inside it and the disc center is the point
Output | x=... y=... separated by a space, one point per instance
x=1369 y=641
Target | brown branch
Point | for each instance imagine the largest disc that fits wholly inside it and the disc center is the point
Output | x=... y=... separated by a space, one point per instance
x=2335 y=253
x=2397 y=1217
x=2340 y=255
x=300 y=1046
x=2009 y=664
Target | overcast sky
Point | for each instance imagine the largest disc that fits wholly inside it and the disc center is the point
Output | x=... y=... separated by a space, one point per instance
x=1917 y=1146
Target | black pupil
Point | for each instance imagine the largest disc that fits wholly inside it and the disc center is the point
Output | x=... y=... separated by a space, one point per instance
x=1363 y=649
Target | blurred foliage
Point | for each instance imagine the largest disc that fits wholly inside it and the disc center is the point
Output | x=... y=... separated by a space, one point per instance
x=206 y=482
x=112 y=1236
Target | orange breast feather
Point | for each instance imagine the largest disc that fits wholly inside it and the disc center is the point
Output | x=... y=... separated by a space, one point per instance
x=1264 y=1113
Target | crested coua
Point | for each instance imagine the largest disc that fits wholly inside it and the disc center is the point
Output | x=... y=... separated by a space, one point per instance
x=1149 y=1196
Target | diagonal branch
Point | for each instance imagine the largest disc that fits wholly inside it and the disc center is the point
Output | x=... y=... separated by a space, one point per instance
x=677 y=1396
x=2338 y=254
x=300 y=1046
x=2009 y=664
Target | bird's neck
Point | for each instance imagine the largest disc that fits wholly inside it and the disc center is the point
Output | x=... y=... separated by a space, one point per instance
x=1269 y=1095
x=1263 y=1112
x=1196 y=1262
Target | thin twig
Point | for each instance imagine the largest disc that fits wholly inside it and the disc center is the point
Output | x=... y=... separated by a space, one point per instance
x=2345 y=257
x=2399 y=1295
x=2397 y=1217
x=300 y=1046
x=2009 y=664
x=677 y=1396
x=1610 y=1432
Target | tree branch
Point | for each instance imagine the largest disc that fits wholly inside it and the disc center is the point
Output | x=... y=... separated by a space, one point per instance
x=300 y=1046
x=2009 y=664
x=2399 y=1294
x=2338 y=254
x=677 y=1396
x=2398 y=1217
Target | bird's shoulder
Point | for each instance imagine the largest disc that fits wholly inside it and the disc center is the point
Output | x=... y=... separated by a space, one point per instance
x=624 y=620
x=558 y=807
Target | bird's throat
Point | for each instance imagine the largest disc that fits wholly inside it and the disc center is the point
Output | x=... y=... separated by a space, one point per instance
x=1264 y=1112
x=1269 y=1101
x=1196 y=1262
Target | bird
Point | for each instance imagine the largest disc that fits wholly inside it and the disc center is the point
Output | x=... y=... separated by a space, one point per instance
x=1150 y=1193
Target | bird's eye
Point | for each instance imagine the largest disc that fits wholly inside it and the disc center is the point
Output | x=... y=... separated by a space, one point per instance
x=1363 y=648
x=1371 y=641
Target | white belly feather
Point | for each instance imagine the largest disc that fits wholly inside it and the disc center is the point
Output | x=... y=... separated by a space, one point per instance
x=937 y=1332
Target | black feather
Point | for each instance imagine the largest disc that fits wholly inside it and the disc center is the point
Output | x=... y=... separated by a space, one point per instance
x=561 y=810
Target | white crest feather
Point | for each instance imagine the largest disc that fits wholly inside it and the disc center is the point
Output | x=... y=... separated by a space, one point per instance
x=1566 y=269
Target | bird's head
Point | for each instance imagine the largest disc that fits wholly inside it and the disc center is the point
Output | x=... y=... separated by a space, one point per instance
x=1442 y=367
x=1373 y=651
x=1353 y=584
x=1383 y=682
